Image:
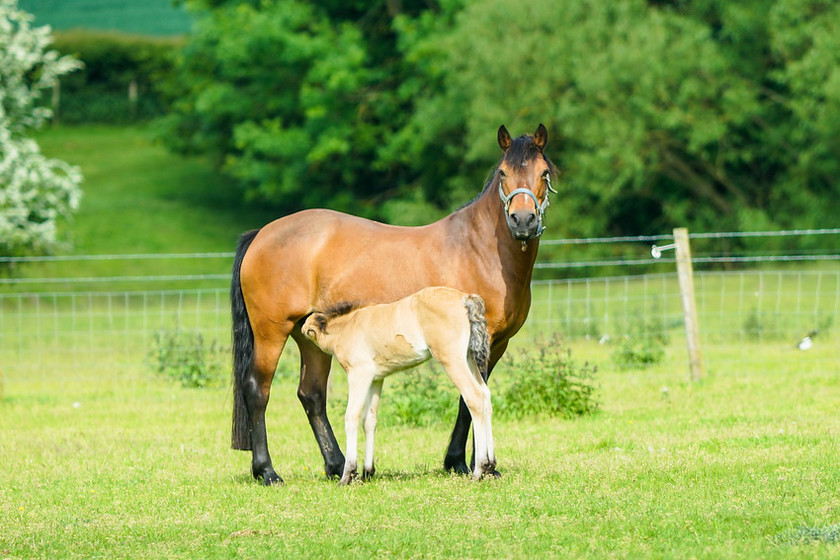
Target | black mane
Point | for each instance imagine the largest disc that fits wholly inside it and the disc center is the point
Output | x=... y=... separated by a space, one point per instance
x=522 y=150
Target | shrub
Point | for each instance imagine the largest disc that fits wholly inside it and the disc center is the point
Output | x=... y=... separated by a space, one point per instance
x=183 y=357
x=420 y=397
x=643 y=346
x=544 y=379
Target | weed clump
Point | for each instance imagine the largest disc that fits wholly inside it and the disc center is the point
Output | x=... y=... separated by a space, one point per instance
x=545 y=380
x=540 y=380
x=642 y=347
x=183 y=356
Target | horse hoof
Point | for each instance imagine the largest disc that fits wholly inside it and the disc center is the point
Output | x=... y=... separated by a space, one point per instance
x=367 y=474
x=456 y=466
x=334 y=468
x=272 y=479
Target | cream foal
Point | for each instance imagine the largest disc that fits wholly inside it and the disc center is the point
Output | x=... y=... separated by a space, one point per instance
x=373 y=342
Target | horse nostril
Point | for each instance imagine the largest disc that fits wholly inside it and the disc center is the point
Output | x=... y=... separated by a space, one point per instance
x=531 y=218
x=514 y=218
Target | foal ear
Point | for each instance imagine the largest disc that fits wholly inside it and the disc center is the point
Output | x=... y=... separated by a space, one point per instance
x=504 y=138
x=541 y=137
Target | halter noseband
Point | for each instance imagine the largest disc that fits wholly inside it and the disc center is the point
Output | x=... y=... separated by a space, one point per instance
x=506 y=199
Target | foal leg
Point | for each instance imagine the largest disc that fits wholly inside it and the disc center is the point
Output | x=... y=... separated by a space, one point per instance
x=359 y=385
x=456 y=455
x=371 y=412
x=312 y=392
x=477 y=398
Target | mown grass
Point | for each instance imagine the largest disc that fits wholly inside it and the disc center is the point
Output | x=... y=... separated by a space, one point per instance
x=729 y=467
x=740 y=465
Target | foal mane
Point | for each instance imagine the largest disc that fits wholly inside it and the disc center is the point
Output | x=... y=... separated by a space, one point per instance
x=337 y=310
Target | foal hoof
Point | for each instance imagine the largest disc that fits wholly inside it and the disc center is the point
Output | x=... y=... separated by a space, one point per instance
x=348 y=477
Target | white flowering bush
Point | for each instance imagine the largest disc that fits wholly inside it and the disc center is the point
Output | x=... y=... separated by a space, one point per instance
x=34 y=190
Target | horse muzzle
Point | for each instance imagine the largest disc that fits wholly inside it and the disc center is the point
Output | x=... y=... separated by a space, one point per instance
x=524 y=224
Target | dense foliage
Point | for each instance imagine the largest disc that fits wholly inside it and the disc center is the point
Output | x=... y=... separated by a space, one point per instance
x=123 y=79
x=710 y=114
x=34 y=191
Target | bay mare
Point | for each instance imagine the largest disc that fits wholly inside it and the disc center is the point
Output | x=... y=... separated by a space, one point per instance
x=314 y=259
x=373 y=342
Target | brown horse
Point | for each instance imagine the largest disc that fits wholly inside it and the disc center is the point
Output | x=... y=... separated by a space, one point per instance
x=312 y=260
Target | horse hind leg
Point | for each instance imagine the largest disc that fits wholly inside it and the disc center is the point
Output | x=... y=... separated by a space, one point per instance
x=312 y=393
x=255 y=388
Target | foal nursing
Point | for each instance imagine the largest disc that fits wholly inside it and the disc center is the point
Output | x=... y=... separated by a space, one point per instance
x=373 y=342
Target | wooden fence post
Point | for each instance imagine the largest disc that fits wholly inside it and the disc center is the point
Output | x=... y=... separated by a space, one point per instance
x=685 y=274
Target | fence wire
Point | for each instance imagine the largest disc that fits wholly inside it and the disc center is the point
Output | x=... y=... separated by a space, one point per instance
x=108 y=337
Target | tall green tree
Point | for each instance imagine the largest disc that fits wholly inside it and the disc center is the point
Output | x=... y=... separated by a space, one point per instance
x=712 y=114
x=293 y=99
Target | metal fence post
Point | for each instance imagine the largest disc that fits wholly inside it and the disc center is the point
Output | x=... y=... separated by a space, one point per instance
x=685 y=275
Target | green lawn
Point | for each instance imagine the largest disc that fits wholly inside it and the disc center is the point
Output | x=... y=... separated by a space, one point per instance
x=139 y=198
x=743 y=464
x=737 y=466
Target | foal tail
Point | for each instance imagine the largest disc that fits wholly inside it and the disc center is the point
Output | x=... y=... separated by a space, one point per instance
x=243 y=348
x=479 y=346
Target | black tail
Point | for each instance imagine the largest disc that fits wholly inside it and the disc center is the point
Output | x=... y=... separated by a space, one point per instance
x=243 y=348
x=479 y=345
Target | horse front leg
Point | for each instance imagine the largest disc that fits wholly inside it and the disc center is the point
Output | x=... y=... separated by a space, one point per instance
x=312 y=392
x=456 y=455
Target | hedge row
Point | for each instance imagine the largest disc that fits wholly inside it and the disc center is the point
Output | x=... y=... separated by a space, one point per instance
x=125 y=77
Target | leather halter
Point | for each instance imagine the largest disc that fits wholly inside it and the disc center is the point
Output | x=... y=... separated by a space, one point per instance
x=541 y=207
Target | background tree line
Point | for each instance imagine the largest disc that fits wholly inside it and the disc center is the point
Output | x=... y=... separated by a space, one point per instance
x=712 y=114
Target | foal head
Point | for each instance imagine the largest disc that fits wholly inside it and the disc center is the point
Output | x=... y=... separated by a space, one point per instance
x=524 y=177
x=315 y=326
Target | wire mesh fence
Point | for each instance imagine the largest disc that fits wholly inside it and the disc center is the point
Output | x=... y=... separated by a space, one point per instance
x=106 y=334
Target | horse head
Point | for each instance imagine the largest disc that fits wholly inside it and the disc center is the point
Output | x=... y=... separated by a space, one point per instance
x=526 y=171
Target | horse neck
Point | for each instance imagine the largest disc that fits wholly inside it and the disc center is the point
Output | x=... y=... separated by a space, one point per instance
x=483 y=222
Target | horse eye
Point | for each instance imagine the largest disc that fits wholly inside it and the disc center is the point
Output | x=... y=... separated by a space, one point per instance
x=546 y=174
x=502 y=174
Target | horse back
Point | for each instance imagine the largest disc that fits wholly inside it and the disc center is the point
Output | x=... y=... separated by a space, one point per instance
x=312 y=260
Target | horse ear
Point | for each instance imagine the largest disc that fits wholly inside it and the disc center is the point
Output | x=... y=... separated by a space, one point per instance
x=541 y=137
x=504 y=138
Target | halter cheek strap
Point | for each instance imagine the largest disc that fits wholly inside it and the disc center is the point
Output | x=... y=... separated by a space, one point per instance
x=506 y=200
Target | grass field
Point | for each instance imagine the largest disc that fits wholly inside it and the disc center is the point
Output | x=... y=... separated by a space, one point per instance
x=735 y=467
x=743 y=464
